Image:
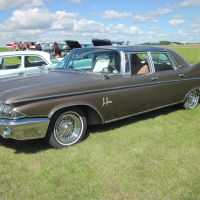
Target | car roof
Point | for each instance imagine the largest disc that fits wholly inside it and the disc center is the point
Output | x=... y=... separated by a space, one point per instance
x=12 y=53
x=128 y=48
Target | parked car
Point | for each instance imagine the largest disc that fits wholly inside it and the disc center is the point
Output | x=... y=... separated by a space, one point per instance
x=21 y=63
x=73 y=44
x=32 y=45
x=64 y=48
x=105 y=42
x=95 y=85
x=13 y=46
x=48 y=47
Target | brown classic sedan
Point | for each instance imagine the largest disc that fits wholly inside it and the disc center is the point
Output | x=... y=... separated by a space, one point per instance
x=95 y=85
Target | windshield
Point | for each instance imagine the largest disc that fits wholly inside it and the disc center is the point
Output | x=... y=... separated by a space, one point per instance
x=54 y=60
x=92 y=60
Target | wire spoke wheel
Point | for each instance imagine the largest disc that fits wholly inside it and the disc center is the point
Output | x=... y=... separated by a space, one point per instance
x=66 y=128
x=192 y=100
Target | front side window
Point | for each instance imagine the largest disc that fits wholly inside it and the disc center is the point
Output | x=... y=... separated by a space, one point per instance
x=93 y=61
x=34 y=61
x=161 y=62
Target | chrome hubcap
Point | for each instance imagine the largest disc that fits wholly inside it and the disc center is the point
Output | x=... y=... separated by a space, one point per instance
x=193 y=99
x=68 y=128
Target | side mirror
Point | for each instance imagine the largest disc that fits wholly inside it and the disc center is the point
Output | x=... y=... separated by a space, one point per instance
x=42 y=68
x=104 y=73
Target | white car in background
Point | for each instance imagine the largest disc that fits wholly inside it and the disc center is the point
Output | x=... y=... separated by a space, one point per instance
x=22 y=63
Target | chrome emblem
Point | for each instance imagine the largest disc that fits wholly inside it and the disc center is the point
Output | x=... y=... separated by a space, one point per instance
x=105 y=101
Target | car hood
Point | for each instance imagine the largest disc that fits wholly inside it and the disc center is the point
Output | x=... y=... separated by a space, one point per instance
x=47 y=85
x=73 y=44
x=99 y=42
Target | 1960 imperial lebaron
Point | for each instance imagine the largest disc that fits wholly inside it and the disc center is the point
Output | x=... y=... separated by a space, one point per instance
x=95 y=85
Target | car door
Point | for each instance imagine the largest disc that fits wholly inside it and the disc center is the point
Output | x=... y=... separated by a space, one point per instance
x=172 y=85
x=12 y=66
x=32 y=64
x=137 y=92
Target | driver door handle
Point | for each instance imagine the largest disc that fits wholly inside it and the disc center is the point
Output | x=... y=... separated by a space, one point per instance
x=155 y=78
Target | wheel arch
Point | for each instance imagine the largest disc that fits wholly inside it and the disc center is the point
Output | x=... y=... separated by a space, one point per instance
x=92 y=115
x=192 y=89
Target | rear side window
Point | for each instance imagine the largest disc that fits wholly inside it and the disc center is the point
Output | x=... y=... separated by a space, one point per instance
x=138 y=64
x=12 y=62
x=162 y=62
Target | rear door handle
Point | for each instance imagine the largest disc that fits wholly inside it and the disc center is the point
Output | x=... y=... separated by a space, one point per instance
x=155 y=78
x=181 y=75
x=21 y=74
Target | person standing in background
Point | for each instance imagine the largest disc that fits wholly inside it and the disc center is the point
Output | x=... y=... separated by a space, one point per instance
x=127 y=43
x=38 y=46
x=20 y=46
x=55 y=51
x=27 y=46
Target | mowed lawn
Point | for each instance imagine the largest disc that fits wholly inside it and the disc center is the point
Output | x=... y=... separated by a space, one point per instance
x=152 y=156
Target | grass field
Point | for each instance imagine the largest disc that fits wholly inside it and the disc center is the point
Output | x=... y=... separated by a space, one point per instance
x=154 y=156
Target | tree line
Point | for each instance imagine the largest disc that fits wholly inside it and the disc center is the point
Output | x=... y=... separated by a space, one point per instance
x=165 y=43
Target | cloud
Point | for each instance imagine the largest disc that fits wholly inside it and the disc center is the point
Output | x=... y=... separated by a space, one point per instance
x=181 y=33
x=75 y=2
x=194 y=26
x=85 y=25
x=22 y=4
x=111 y=14
x=85 y=30
x=142 y=19
x=176 y=22
x=160 y=12
x=155 y=28
x=178 y=16
x=196 y=18
x=62 y=20
x=28 y=20
x=189 y=3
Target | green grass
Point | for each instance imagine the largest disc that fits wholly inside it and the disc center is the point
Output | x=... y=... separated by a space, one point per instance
x=153 y=156
x=2 y=49
x=190 y=54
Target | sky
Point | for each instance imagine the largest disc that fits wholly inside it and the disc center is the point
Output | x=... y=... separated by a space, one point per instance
x=136 y=21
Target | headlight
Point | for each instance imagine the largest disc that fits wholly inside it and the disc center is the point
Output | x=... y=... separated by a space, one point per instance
x=9 y=112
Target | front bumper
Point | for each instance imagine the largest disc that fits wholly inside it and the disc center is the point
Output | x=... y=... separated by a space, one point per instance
x=24 y=129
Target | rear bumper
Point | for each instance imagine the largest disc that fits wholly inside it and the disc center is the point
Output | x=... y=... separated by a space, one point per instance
x=24 y=129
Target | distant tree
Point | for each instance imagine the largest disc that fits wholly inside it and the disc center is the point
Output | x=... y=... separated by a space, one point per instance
x=164 y=42
x=150 y=43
